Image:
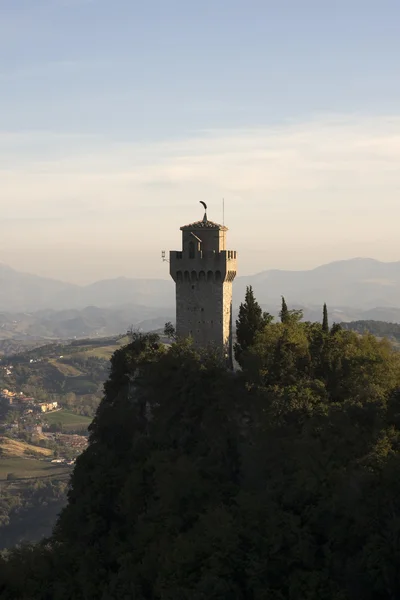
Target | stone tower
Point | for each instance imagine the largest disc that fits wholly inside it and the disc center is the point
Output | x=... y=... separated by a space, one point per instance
x=203 y=272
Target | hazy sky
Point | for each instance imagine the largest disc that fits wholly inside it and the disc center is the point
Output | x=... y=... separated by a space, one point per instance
x=118 y=116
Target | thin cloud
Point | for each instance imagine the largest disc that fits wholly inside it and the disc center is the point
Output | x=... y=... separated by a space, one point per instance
x=331 y=182
x=295 y=157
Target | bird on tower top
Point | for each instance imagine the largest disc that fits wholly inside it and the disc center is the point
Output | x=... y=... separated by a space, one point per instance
x=205 y=208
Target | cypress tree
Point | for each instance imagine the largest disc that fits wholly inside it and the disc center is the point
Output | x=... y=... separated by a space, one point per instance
x=250 y=321
x=325 y=323
x=284 y=314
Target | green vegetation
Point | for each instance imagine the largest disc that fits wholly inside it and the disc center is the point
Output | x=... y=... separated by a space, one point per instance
x=325 y=321
x=103 y=352
x=15 y=468
x=287 y=316
x=251 y=320
x=11 y=447
x=284 y=313
x=378 y=328
x=279 y=481
x=28 y=508
x=70 y=373
x=68 y=420
x=169 y=331
x=65 y=369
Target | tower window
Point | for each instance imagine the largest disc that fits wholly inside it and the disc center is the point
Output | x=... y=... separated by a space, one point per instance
x=191 y=249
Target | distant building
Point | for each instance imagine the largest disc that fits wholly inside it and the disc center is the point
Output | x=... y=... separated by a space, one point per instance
x=34 y=429
x=47 y=406
x=203 y=272
x=9 y=396
x=25 y=400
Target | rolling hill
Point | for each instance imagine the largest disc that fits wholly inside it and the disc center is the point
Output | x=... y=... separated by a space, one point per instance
x=23 y=292
x=36 y=308
x=361 y=283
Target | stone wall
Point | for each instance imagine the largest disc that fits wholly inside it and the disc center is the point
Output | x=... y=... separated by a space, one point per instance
x=203 y=312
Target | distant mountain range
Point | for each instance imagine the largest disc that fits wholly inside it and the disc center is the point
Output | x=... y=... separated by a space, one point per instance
x=32 y=306
x=361 y=283
x=22 y=292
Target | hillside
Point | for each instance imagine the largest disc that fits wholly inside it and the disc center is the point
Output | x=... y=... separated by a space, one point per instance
x=280 y=481
x=23 y=292
x=361 y=283
x=21 y=330
x=10 y=447
x=37 y=449
x=34 y=310
x=70 y=373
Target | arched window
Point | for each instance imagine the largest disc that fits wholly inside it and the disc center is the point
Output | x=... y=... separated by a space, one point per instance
x=202 y=276
x=218 y=276
x=209 y=275
x=194 y=276
x=179 y=275
x=191 y=249
x=187 y=276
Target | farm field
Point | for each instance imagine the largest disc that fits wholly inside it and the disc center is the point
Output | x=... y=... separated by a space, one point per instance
x=69 y=420
x=24 y=468
x=65 y=369
x=104 y=352
x=17 y=448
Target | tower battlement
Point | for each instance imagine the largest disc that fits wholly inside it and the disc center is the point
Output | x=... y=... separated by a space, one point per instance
x=205 y=265
x=203 y=272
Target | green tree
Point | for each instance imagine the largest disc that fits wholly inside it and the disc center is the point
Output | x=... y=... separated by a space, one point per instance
x=169 y=331
x=289 y=316
x=277 y=481
x=335 y=328
x=325 y=322
x=251 y=320
x=284 y=312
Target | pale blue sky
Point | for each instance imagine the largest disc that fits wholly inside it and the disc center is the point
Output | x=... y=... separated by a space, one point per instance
x=117 y=116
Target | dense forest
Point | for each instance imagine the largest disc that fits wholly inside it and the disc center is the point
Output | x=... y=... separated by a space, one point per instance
x=279 y=480
x=27 y=508
x=378 y=328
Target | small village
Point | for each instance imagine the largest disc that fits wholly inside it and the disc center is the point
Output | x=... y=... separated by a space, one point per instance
x=24 y=419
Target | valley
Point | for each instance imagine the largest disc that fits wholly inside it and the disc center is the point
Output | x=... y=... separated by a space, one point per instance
x=48 y=397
